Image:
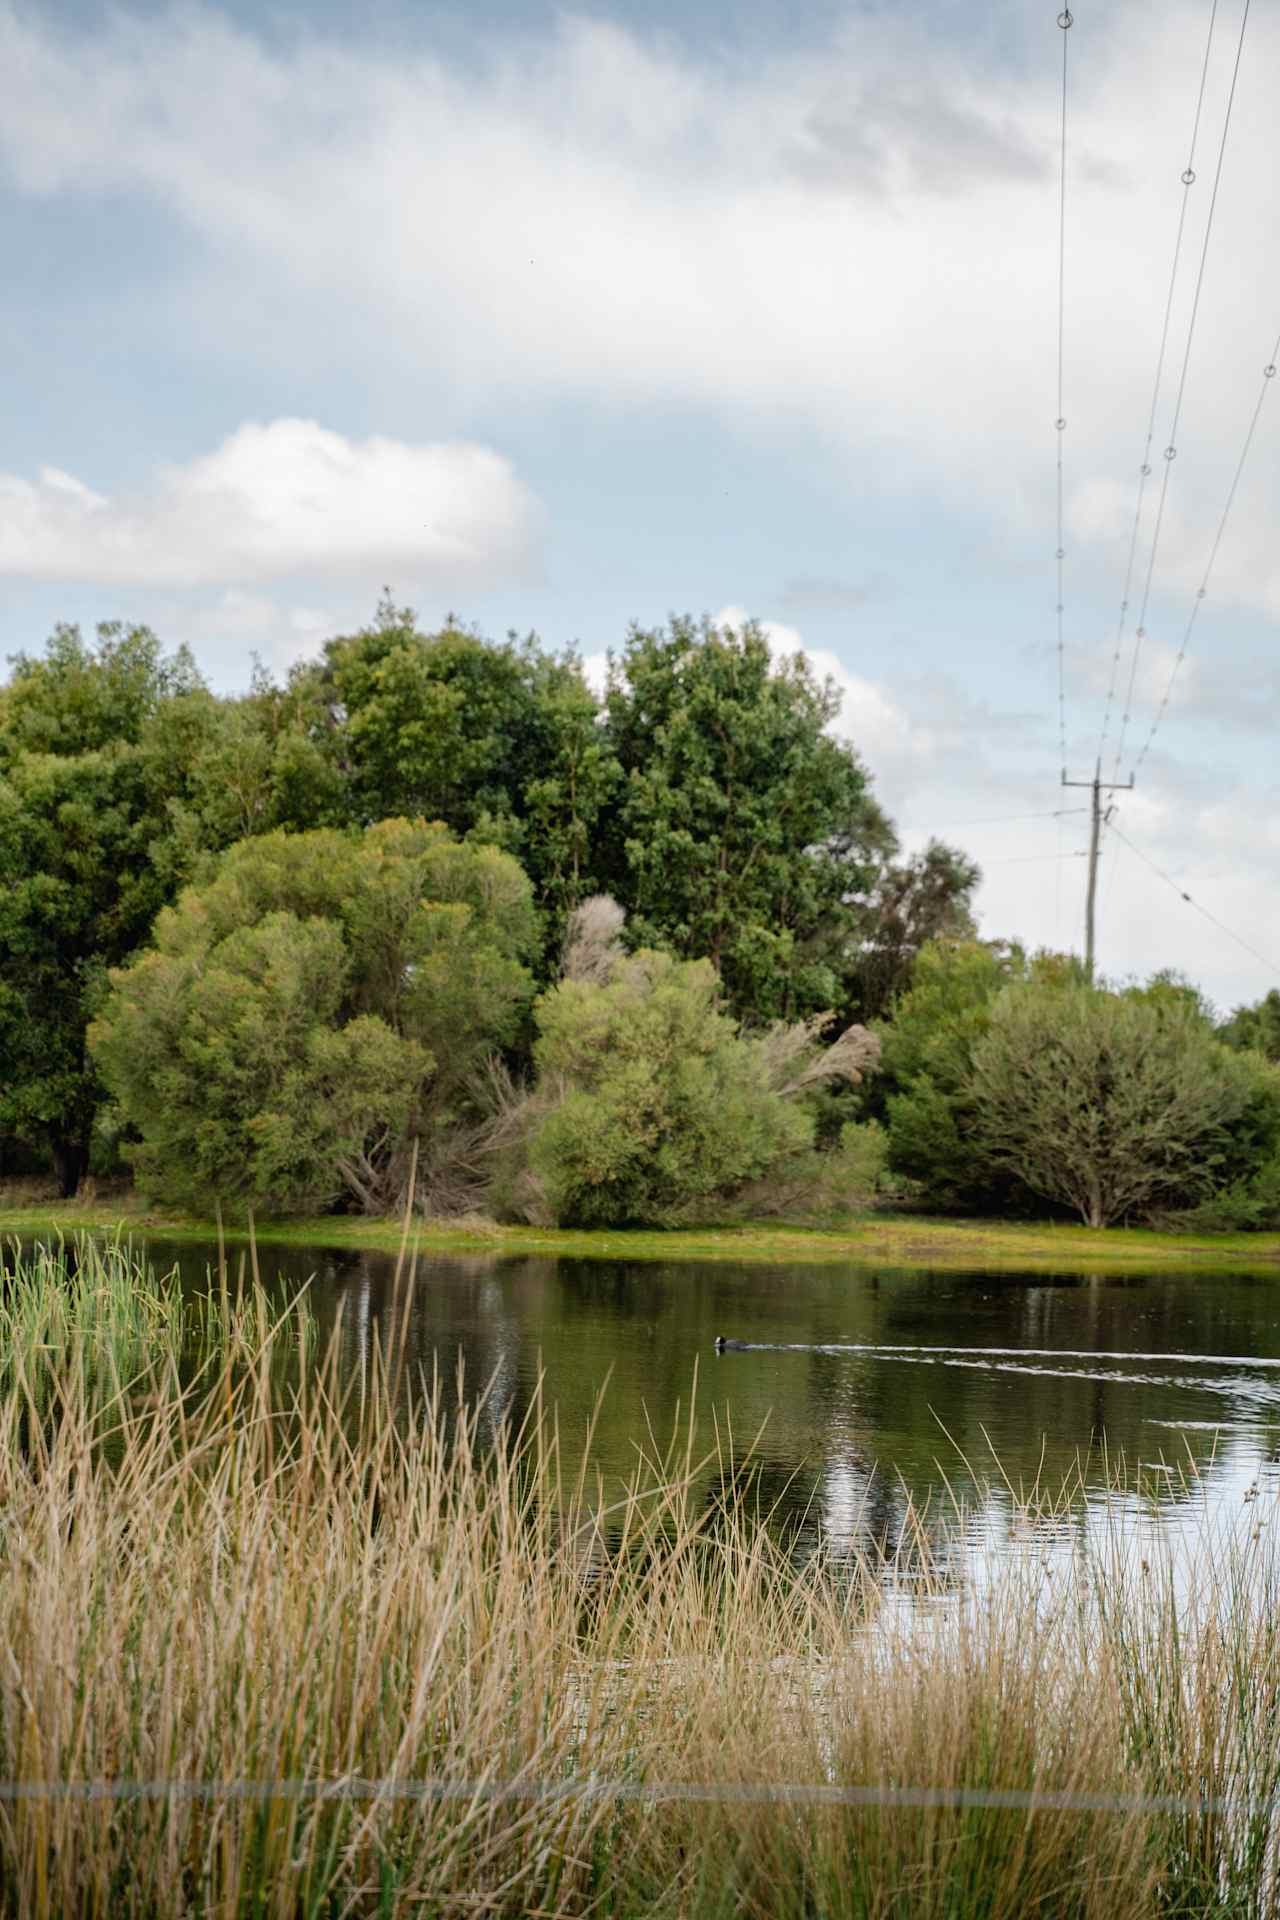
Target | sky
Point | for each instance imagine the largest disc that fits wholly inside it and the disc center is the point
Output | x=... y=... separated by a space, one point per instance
x=558 y=320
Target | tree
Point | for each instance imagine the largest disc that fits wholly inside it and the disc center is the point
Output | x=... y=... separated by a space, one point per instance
x=1111 y=1104
x=119 y=771
x=568 y=796
x=88 y=851
x=1256 y=1027
x=500 y=741
x=313 y=1009
x=928 y=897
x=745 y=832
x=925 y=1084
x=81 y=699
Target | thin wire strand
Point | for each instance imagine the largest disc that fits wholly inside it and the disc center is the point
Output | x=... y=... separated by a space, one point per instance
x=1171 y=450
x=1065 y=22
x=1144 y=469
x=999 y=820
x=1182 y=893
x=592 y=1787
x=1268 y=375
x=1024 y=859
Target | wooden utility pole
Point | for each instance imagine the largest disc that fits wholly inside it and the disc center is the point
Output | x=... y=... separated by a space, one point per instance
x=1097 y=787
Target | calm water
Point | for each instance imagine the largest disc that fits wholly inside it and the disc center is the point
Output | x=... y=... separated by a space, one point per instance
x=947 y=1372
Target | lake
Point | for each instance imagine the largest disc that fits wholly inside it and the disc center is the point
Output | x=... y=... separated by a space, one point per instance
x=865 y=1392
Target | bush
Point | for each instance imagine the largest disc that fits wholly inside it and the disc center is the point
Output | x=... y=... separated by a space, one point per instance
x=661 y=1103
x=925 y=1088
x=312 y=1012
x=1118 y=1104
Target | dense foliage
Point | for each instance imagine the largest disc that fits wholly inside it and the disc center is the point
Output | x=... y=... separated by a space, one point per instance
x=746 y=832
x=707 y=790
x=659 y=1102
x=314 y=1010
x=1008 y=1082
x=342 y=990
x=1115 y=1104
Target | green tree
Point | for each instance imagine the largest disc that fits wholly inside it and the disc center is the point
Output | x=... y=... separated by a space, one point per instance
x=745 y=832
x=119 y=770
x=928 y=897
x=81 y=698
x=89 y=849
x=567 y=798
x=657 y=1104
x=1116 y=1104
x=500 y=741
x=1256 y=1027
x=311 y=1010
x=925 y=1088
x=440 y=725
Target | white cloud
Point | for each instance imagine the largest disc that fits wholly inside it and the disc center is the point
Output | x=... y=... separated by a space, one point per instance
x=282 y=498
x=859 y=236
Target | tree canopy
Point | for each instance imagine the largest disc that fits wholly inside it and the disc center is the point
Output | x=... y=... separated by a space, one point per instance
x=311 y=1010
x=746 y=832
x=1117 y=1104
x=119 y=770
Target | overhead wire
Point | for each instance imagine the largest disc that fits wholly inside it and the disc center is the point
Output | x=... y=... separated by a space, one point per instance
x=1025 y=859
x=1201 y=593
x=1065 y=22
x=1144 y=469
x=1000 y=819
x=1171 y=449
x=1182 y=893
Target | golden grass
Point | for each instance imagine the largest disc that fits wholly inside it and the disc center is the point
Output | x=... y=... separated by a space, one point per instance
x=244 y=1582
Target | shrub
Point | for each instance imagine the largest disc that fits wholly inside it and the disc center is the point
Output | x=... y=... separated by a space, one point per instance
x=662 y=1103
x=312 y=1011
x=1117 y=1104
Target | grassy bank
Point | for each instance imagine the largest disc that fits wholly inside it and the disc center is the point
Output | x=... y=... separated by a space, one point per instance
x=341 y=1663
x=873 y=1239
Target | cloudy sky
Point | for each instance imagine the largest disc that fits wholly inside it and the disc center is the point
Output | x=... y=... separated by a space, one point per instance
x=563 y=319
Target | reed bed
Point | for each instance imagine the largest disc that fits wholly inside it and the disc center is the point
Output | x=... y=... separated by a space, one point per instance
x=268 y=1649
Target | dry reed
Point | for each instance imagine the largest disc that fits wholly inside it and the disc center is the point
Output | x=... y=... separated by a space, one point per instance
x=243 y=1583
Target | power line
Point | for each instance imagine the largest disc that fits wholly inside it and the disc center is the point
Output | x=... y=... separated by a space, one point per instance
x=1065 y=22
x=999 y=819
x=1268 y=375
x=1144 y=468
x=1024 y=859
x=1182 y=893
x=1170 y=452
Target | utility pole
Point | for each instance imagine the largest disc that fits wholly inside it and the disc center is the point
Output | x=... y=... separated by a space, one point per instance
x=1097 y=787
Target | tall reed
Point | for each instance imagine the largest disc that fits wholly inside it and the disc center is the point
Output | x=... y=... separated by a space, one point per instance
x=507 y=1664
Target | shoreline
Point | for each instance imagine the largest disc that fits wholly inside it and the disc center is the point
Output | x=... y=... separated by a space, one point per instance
x=866 y=1240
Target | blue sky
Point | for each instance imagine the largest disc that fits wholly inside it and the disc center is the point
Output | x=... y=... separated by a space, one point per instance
x=563 y=319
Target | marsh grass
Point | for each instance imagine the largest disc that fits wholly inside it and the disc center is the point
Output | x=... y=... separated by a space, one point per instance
x=103 y=1314
x=275 y=1579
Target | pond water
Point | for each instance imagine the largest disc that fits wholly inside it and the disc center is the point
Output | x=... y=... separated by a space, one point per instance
x=863 y=1392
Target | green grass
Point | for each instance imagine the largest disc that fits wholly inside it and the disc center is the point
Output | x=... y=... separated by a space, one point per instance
x=873 y=1239
x=103 y=1316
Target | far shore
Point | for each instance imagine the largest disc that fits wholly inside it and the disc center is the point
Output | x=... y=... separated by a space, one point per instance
x=872 y=1239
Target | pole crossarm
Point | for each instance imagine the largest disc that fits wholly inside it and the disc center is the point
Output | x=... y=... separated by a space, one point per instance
x=1097 y=787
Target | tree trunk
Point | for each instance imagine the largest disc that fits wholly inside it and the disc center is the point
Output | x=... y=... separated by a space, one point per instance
x=70 y=1161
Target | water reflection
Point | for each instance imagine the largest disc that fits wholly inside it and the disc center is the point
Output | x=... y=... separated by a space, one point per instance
x=867 y=1406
